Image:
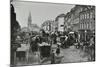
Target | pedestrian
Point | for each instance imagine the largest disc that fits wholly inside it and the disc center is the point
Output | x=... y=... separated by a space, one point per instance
x=58 y=55
x=58 y=50
x=65 y=41
x=92 y=49
x=52 y=57
x=36 y=58
x=34 y=44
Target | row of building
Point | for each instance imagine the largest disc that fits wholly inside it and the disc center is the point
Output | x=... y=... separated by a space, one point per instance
x=81 y=19
x=54 y=25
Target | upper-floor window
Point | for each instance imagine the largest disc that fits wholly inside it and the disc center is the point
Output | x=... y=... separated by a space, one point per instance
x=87 y=26
x=83 y=16
x=81 y=26
x=80 y=17
x=87 y=15
x=91 y=14
x=81 y=9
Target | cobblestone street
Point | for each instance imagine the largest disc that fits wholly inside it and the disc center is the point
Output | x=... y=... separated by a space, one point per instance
x=70 y=55
x=73 y=55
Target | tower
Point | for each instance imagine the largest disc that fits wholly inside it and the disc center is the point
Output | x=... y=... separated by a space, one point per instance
x=29 y=20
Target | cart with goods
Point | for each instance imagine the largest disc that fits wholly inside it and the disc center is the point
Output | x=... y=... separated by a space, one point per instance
x=45 y=50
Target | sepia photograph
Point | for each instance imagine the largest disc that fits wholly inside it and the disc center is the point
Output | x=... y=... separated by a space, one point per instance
x=51 y=33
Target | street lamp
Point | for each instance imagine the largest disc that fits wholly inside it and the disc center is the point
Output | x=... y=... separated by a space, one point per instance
x=85 y=34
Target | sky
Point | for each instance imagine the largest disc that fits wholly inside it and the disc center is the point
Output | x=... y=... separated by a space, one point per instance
x=40 y=12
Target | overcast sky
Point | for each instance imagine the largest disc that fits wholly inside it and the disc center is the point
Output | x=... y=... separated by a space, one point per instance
x=39 y=11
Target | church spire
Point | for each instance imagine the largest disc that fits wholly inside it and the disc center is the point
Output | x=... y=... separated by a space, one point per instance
x=29 y=19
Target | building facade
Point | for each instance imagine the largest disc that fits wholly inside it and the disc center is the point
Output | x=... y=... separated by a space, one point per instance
x=50 y=26
x=54 y=26
x=60 y=22
x=72 y=19
x=67 y=22
x=81 y=18
x=87 y=22
x=46 y=26
x=87 y=19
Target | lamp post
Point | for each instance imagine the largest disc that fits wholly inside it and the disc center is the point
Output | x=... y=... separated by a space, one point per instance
x=85 y=34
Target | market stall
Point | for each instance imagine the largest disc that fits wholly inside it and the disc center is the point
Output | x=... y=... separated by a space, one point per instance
x=22 y=52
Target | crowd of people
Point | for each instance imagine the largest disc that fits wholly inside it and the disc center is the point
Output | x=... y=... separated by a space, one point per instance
x=41 y=45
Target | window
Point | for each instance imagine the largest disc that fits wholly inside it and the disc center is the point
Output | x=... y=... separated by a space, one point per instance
x=90 y=25
x=91 y=15
x=84 y=25
x=83 y=16
x=80 y=17
x=87 y=15
x=87 y=26
x=81 y=9
x=81 y=26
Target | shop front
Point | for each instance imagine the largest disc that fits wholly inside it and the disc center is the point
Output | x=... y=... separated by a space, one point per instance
x=85 y=35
